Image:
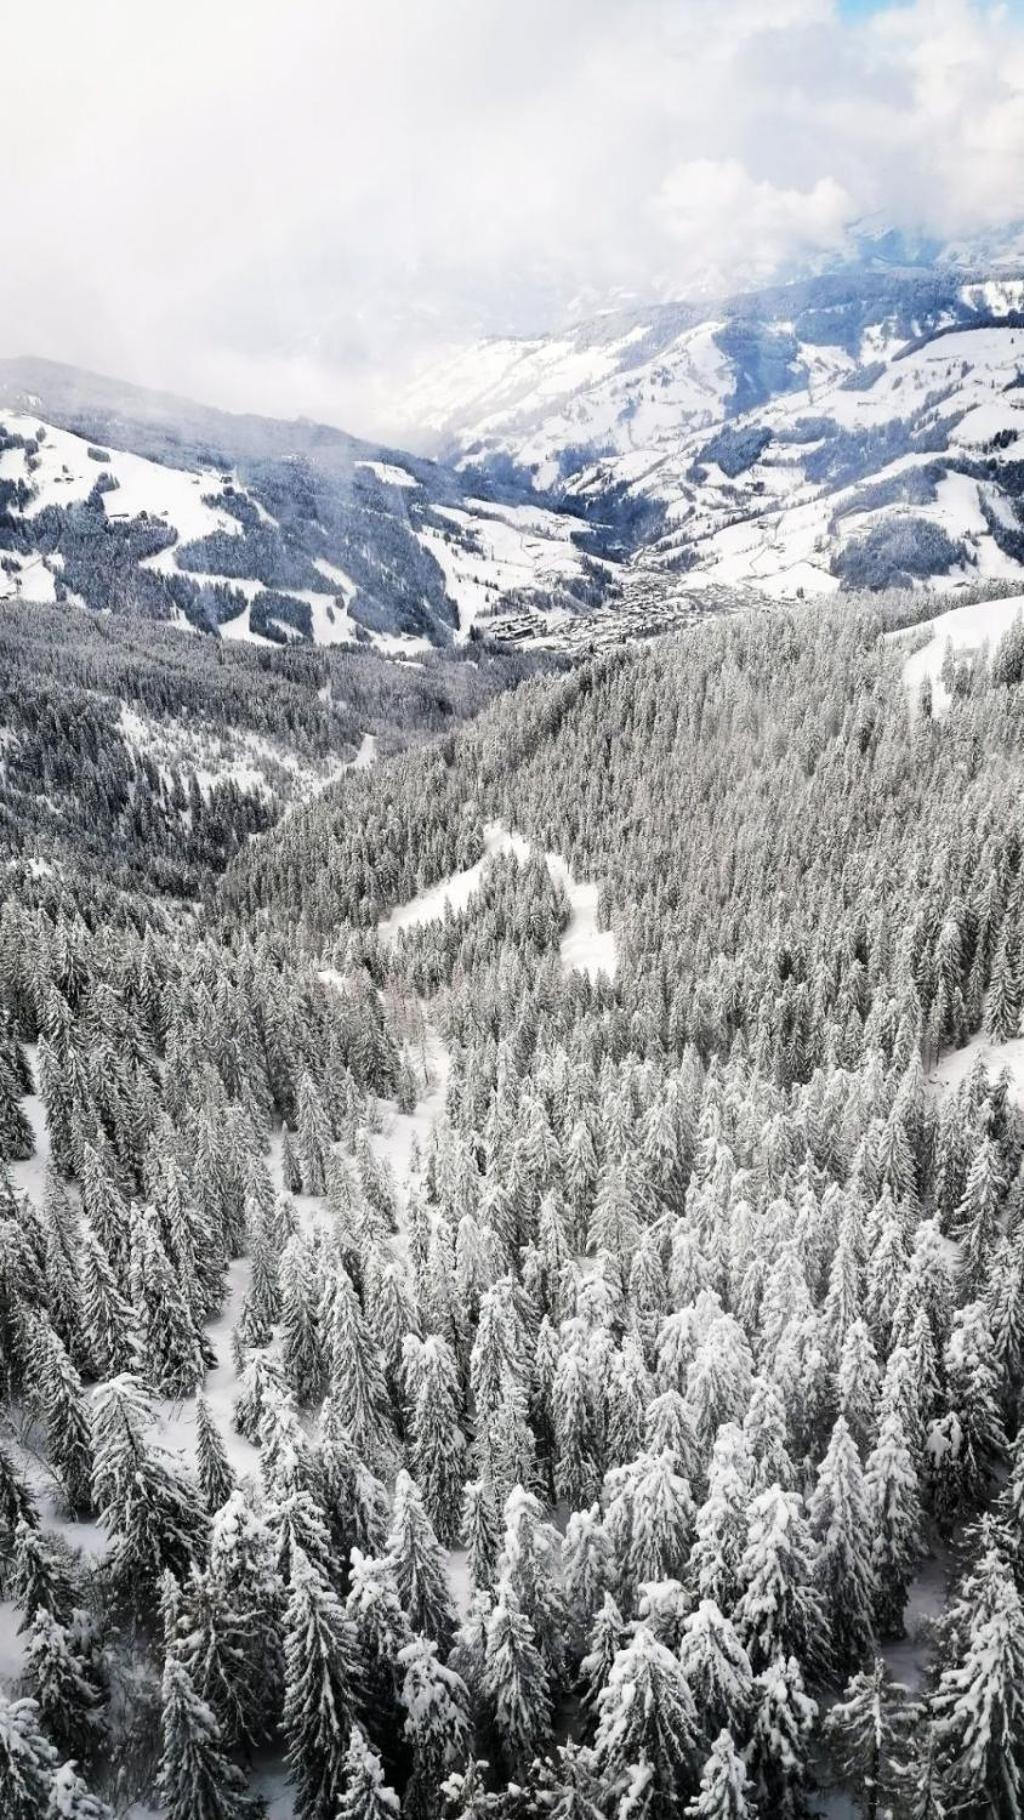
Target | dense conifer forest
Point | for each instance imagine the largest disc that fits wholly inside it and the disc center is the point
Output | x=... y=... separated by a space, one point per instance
x=512 y=1267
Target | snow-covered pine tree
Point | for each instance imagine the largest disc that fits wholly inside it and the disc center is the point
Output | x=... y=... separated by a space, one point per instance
x=27 y=1761
x=197 y=1780
x=783 y=1719
x=646 y=1714
x=318 y=1697
x=213 y=1469
x=779 y=1611
x=437 y=1729
x=978 y=1707
x=437 y=1444
x=480 y=1532
x=69 y=1701
x=717 y=1670
x=367 y=1795
x=840 y=1520
x=725 y=1788
x=516 y=1682
x=891 y=1486
x=419 y=1565
x=871 y=1732
x=70 y=1798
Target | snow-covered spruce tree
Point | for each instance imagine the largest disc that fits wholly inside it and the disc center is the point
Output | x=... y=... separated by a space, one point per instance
x=367 y=1795
x=70 y=1798
x=213 y=1469
x=43 y=1577
x=152 y=1513
x=246 y=1600
x=717 y=1671
x=197 y=1780
x=69 y=1701
x=783 y=1720
x=480 y=1532
x=725 y=1788
x=357 y=1381
x=516 y=1682
x=68 y=1434
x=720 y=1528
x=530 y=1561
x=780 y=1612
x=27 y=1761
x=891 y=1486
x=107 y=1316
x=646 y=1714
x=436 y=1440
x=584 y=1573
x=608 y=1636
x=314 y=1137
x=978 y=1707
x=318 y=1699
x=662 y=1520
x=437 y=1729
x=419 y=1566
x=870 y=1733
x=839 y=1516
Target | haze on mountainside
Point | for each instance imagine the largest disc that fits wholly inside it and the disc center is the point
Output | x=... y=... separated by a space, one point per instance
x=291 y=211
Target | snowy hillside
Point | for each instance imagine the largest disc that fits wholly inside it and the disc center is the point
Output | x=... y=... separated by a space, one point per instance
x=271 y=532
x=860 y=429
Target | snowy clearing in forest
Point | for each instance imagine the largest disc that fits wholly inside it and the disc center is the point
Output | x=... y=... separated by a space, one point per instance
x=583 y=947
x=966 y=629
x=956 y=1065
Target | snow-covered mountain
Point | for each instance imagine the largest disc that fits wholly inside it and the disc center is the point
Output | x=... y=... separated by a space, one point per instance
x=859 y=428
x=125 y=499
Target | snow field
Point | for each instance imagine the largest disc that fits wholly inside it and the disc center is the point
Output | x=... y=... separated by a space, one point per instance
x=967 y=629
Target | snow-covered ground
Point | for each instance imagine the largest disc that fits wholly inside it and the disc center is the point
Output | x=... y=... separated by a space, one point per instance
x=966 y=629
x=493 y=551
x=584 y=947
x=956 y=1064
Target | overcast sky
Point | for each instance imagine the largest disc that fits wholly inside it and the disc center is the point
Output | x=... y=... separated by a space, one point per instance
x=286 y=207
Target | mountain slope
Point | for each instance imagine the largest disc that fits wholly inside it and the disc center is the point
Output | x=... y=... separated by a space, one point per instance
x=266 y=530
x=861 y=428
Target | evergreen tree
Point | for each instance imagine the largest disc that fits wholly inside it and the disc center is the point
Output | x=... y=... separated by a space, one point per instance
x=418 y=1562
x=516 y=1682
x=437 y=1443
x=480 y=1534
x=68 y=1700
x=197 y=1781
x=871 y=1734
x=317 y=1693
x=724 y=1786
x=717 y=1671
x=213 y=1469
x=891 y=1486
x=366 y=1796
x=436 y=1703
x=70 y=1799
x=27 y=1761
x=68 y=1434
x=777 y=1755
x=841 y=1528
x=646 y=1714
x=779 y=1612
x=977 y=1708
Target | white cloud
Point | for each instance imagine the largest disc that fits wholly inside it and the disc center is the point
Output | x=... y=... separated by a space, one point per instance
x=282 y=208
